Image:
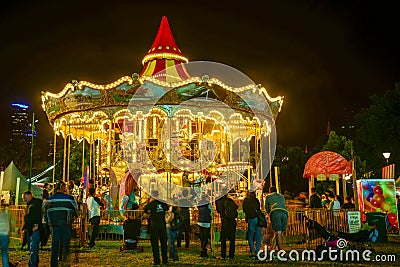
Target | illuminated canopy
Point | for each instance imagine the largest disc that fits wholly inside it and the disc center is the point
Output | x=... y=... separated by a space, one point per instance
x=326 y=164
x=86 y=110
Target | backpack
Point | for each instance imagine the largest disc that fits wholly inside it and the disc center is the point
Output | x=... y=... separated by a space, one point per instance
x=176 y=223
x=230 y=208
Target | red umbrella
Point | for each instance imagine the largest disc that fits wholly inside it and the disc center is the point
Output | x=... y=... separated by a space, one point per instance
x=326 y=162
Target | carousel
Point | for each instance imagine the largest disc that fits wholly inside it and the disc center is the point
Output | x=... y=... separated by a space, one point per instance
x=176 y=124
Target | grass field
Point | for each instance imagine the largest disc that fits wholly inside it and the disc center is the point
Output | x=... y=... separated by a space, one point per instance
x=107 y=253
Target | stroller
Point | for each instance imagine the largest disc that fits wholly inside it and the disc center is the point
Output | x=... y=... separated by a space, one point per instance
x=360 y=240
x=131 y=235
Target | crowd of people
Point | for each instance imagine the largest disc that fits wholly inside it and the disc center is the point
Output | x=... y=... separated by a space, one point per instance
x=54 y=214
x=328 y=200
x=166 y=224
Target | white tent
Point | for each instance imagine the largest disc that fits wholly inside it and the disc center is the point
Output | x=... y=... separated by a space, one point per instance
x=11 y=174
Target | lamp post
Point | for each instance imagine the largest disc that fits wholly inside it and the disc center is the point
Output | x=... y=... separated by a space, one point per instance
x=386 y=155
x=32 y=139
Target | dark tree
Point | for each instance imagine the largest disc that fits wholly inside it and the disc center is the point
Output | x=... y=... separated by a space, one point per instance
x=379 y=131
x=291 y=161
x=75 y=165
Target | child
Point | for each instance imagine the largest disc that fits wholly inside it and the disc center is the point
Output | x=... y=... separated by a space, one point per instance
x=324 y=201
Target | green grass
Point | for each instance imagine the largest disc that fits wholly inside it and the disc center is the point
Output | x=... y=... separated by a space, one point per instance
x=107 y=254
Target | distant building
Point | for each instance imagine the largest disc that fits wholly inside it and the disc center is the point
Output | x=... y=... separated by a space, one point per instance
x=50 y=150
x=347 y=125
x=21 y=127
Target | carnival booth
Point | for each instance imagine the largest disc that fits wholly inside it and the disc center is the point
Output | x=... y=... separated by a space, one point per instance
x=173 y=117
x=377 y=198
x=327 y=165
x=14 y=184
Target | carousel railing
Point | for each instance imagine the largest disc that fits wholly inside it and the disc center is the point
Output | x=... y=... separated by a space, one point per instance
x=296 y=234
x=111 y=226
x=297 y=231
x=17 y=220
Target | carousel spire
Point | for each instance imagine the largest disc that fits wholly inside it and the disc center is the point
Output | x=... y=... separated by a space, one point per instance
x=164 y=55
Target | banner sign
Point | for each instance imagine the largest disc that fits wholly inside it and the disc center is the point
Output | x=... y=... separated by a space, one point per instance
x=354 y=221
x=379 y=195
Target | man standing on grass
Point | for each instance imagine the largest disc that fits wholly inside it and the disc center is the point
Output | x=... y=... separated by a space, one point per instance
x=158 y=231
x=185 y=215
x=251 y=207
x=60 y=210
x=276 y=206
x=33 y=220
x=228 y=228
x=93 y=205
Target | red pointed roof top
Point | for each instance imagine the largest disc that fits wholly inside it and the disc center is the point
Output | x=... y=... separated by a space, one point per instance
x=164 y=46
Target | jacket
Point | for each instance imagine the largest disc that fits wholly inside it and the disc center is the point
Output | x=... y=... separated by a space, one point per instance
x=33 y=214
x=60 y=209
x=315 y=201
x=204 y=214
x=250 y=206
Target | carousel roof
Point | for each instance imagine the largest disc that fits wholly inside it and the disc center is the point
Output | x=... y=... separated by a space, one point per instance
x=86 y=106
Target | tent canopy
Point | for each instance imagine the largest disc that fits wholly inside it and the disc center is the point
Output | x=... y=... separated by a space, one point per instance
x=326 y=163
x=11 y=174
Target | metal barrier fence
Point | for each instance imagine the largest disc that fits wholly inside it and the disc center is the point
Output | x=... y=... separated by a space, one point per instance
x=17 y=218
x=297 y=233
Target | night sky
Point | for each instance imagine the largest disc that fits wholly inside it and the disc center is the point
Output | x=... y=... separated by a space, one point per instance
x=325 y=57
